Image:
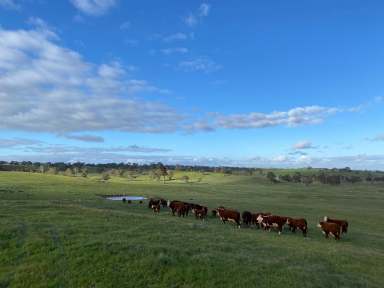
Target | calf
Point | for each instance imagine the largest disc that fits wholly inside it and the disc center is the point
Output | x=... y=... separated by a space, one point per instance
x=342 y=223
x=156 y=207
x=246 y=217
x=300 y=223
x=229 y=215
x=153 y=201
x=330 y=228
x=267 y=222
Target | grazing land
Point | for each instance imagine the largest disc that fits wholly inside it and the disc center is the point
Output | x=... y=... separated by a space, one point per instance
x=57 y=232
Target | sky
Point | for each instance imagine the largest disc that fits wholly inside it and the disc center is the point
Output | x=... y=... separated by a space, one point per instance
x=220 y=83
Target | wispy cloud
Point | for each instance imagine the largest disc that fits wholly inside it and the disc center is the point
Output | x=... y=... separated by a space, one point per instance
x=192 y=19
x=200 y=64
x=10 y=4
x=293 y=117
x=125 y=25
x=85 y=138
x=94 y=7
x=305 y=144
x=17 y=142
x=377 y=138
x=175 y=37
x=176 y=50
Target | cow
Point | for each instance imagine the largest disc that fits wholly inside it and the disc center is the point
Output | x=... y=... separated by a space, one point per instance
x=200 y=213
x=156 y=207
x=300 y=223
x=256 y=215
x=246 y=217
x=267 y=222
x=153 y=201
x=330 y=228
x=342 y=223
x=175 y=206
x=182 y=210
x=229 y=215
x=215 y=212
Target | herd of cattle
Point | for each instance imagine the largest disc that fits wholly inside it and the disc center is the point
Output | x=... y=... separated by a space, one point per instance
x=266 y=220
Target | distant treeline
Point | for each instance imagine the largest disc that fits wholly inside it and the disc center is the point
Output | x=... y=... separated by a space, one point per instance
x=157 y=170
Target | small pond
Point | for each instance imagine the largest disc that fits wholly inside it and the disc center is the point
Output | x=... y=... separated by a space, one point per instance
x=127 y=198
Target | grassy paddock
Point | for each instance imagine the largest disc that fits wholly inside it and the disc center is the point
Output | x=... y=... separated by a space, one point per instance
x=56 y=232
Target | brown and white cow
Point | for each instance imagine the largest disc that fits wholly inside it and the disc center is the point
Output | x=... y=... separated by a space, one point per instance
x=229 y=215
x=177 y=206
x=342 y=223
x=156 y=207
x=201 y=212
x=272 y=221
x=329 y=228
x=299 y=223
x=256 y=215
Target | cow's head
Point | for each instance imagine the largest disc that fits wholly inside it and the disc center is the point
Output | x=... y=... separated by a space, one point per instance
x=325 y=218
x=168 y=203
x=259 y=219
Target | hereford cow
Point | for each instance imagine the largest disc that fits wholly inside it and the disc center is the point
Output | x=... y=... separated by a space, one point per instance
x=176 y=206
x=330 y=228
x=156 y=207
x=272 y=221
x=229 y=215
x=300 y=223
x=246 y=217
x=153 y=201
x=200 y=213
x=342 y=223
x=256 y=215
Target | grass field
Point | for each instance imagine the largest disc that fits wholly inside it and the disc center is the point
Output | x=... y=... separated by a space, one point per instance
x=56 y=232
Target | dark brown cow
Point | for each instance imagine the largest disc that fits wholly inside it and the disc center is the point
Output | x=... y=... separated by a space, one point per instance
x=268 y=222
x=256 y=215
x=153 y=201
x=200 y=213
x=246 y=217
x=330 y=228
x=342 y=223
x=229 y=215
x=176 y=206
x=156 y=207
x=300 y=223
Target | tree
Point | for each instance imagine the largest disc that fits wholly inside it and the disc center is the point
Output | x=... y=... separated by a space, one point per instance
x=105 y=176
x=69 y=172
x=296 y=177
x=271 y=176
x=185 y=178
x=306 y=180
x=170 y=175
x=162 y=170
x=84 y=172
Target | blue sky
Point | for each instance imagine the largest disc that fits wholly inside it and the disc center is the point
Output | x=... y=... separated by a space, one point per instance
x=261 y=84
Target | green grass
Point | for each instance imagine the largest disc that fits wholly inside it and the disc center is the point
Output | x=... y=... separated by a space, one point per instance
x=56 y=232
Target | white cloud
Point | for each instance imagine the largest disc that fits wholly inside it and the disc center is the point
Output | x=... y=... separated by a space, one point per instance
x=204 y=9
x=175 y=37
x=192 y=19
x=293 y=117
x=9 y=4
x=305 y=144
x=48 y=88
x=125 y=25
x=94 y=7
x=200 y=64
x=176 y=50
